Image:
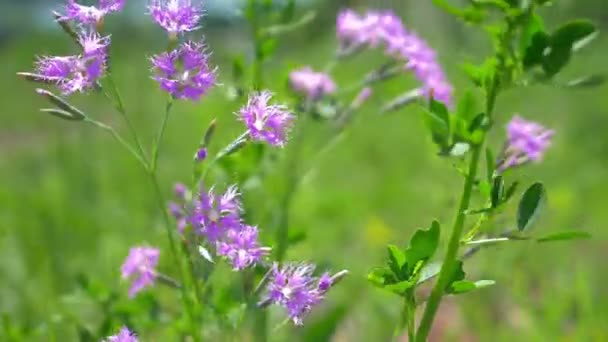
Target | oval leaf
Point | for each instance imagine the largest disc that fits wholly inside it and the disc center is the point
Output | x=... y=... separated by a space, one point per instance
x=530 y=206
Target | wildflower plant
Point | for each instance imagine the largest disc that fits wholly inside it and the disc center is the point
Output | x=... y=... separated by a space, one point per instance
x=214 y=221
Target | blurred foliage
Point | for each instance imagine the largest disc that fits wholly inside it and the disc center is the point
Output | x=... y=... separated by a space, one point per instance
x=72 y=202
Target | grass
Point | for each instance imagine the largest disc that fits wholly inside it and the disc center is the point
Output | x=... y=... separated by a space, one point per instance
x=72 y=202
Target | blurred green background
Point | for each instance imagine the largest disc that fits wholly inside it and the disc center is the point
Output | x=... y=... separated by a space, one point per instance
x=72 y=201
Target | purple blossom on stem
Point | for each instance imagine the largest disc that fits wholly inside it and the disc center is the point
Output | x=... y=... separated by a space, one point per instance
x=124 y=335
x=140 y=266
x=175 y=16
x=76 y=73
x=266 y=122
x=184 y=72
x=387 y=28
x=242 y=248
x=295 y=288
x=201 y=154
x=526 y=141
x=310 y=83
x=214 y=215
x=91 y=15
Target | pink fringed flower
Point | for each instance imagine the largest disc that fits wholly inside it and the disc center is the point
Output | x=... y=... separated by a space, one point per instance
x=176 y=16
x=310 y=83
x=140 y=267
x=266 y=122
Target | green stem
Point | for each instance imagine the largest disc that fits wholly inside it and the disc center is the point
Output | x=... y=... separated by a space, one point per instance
x=407 y=318
x=120 y=140
x=452 y=252
x=120 y=107
x=161 y=133
x=449 y=261
x=196 y=332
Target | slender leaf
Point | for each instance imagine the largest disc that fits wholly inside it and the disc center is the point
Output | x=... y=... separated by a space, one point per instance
x=396 y=261
x=563 y=236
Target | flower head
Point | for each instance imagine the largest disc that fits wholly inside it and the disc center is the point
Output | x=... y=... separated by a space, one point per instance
x=214 y=215
x=91 y=15
x=124 y=335
x=76 y=73
x=266 y=122
x=184 y=72
x=140 y=265
x=310 y=83
x=295 y=288
x=527 y=141
x=175 y=16
x=241 y=247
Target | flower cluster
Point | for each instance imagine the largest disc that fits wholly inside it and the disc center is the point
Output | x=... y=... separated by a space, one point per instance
x=76 y=73
x=217 y=217
x=310 y=83
x=140 y=266
x=375 y=28
x=176 y=16
x=527 y=141
x=295 y=288
x=91 y=15
x=124 y=335
x=184 y=72
x=266 y=122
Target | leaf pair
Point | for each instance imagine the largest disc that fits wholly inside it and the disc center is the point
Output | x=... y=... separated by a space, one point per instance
x=403 y=268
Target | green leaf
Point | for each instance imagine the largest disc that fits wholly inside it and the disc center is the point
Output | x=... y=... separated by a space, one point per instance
x=422 y=245
x=490 y=164
x=530 y=206
x=457 y=275
x=498 y=188
x=381 y=276
x=401 y=287
x=563 y=236
x=467 y=106
x=510 y=192
x=396 y=261
x=429 y=271
x=562 y=42
x=535 y=51
x=464 y=286
x=533 y=26
x=438 y=121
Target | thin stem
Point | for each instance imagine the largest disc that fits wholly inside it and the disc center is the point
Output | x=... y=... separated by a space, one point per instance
x=161 y=133
x=180 y=268
x=120 y=140
x=232 y=147
x=120 y=107
x=407 y=318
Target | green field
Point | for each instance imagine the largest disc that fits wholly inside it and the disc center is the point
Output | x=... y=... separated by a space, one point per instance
x=72 y=201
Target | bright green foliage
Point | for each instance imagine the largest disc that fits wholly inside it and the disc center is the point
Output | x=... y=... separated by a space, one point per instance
x=530 y=206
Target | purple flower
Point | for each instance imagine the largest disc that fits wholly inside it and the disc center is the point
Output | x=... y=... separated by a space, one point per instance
x=184 y=72
x=265 y=121
x=241 y=247
x=310 y=83
x=214 y=215
x=91 y=15
x=175 y=16
x=295 y=288
x=124 y=335
x=140 y=265
x=387 y=28
x=527 y=141
x=76 y=73
x=180 y=191
x=201 y=154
